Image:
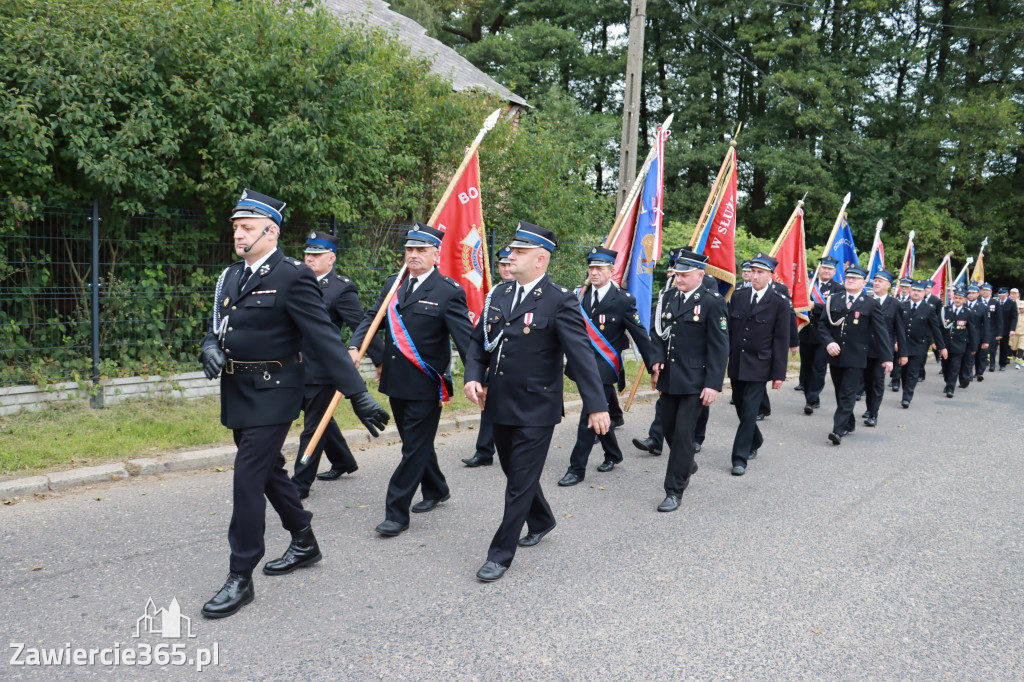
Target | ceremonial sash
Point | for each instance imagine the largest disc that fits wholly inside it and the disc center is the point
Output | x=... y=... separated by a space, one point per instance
x=600 y=344
x=408 y=349
x=816 y=292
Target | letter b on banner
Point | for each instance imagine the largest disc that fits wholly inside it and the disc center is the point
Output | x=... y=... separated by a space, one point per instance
x=469 y=194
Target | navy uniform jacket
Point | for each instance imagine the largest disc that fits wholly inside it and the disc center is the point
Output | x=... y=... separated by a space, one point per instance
x=617 y=314
x=794 y=328
x=435 y=311
x=923 y=329
x=810 y=330
x=696 y=349
x=859 y=330
x=277 y=313
x=994 y=312
x=523 y=373
x=895 y=325
x=341 y=296
x=958 y=331
x=1010 y=315
x=979 y=320
x=758 y=335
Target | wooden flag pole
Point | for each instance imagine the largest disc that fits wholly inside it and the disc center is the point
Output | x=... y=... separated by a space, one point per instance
x=489 y=124
x=831 y=238
x=906 y=257
x=715 y=187
x=786 y=230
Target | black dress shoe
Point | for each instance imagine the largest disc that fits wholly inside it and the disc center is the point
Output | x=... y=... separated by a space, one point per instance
x=980 y=377
x=964 y=384
x=871 y=421
x=905 y=404
x=798 y=387
x=865 y=415
x=569 y=479
x=760 y=417
x=303 y=493
x=478 y=461
x=1002 y=368
x=334 y=474
x=606 y=465
x=647 y=445
x=949 y=394
x=669 y=504
x=531 y=539
x=491 y=571
x=808 y=409
x=752 y=455
x=391 y=528
x=739 y=470
x=427 y=505
x=697 y=447
x=236 y=593
x=302 y=551
x=835 y=438
x=894 y=387
x=618 y=423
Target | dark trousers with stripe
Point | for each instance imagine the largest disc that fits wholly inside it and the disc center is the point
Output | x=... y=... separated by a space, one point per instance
x=585 y=441
x=679 y=417
x=315 y=402
x=847 y=382
x=747 y=396
x=260 y=476
x=522 y=451
x=417 y=425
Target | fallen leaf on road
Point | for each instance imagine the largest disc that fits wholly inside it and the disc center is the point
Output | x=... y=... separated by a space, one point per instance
x=567 y=516
x=816 y=631
x=600 y=487
x=37 y=568
x=98 y=499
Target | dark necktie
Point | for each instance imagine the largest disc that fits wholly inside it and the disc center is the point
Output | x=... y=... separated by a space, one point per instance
x=408 y=292
x=593 y=305
x=245 y=277
x=519 y=297
x=849 y=301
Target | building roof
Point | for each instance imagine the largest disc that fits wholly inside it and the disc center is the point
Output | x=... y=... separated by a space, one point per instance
x=445 y=61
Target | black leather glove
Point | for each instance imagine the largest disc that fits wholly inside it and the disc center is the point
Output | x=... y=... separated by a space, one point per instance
x=373 y=416
x=213 y=360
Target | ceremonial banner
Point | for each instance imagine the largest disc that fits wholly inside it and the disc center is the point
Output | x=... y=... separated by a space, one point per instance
x=463 y=253
x=943 y=279
x=979 y=269
x=876 y=261
x=792 y=267
x=962 y=280
x=717 y=239
x=843 y=249
x=638 y=256
x=909 y=259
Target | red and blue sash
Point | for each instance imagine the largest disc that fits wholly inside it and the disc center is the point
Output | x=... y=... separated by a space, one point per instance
x=816 y=292
x=405 y=344
x=600 y=344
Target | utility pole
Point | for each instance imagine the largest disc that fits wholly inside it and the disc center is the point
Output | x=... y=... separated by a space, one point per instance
x=631 y=100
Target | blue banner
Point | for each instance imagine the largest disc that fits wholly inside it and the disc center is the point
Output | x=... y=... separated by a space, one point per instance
x=646 y=247
x=843 y=250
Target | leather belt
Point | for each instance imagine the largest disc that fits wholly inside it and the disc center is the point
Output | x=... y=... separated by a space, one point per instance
x=260 y=366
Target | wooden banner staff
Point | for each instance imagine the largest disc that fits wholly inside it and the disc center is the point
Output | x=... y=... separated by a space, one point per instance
x=831 y=238
x=906 y=257
x=788 y=228
x=489 y=124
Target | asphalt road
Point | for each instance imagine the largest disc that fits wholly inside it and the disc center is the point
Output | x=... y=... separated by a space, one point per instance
x=895 y=555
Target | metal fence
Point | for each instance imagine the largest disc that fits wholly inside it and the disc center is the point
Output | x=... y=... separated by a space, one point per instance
x=85 y=294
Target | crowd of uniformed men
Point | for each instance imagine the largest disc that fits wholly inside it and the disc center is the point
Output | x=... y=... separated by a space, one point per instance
x=275 y=344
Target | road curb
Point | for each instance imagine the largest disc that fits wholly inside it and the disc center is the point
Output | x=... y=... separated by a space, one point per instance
x=219 y=456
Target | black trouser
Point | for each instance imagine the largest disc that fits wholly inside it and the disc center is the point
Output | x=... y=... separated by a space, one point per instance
x=747 y=397
x=813 y=362
x=655 y=432
x=614 y=409
x=485 y=439
x=680 y=414
x=897 y=374
x=911 y=374
x=315 y=402
x=260 y=476
x=989 y=354
x=522 y=451
x=847 y=382
x=874 y=385
x=585 y=441
x=765 y=406
x=954 y=367
x=417 y=425
x=1004 y=351
x=981 y=360
x=967 y=367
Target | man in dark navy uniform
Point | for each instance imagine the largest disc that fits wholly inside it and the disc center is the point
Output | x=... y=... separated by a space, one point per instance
x=613 y=314
x=896 y=379
x=923 y=331
x=514 y=373
x=267 y=308
x=874 y=374
x=759 y=333
x=341 y=296
x=975 y=368
x=813 y=357
x=936 y=303
x=484 y=455
x=426 y=310
x=690 y=359
x=1010 y=316
x=850 y=323
x=960 y=334
x=994 y=312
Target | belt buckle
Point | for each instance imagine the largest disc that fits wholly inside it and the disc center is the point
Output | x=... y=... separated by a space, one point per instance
x=229 y=366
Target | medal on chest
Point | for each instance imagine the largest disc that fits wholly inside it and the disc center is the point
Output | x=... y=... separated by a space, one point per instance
x=696 y=313
x=600 y=319
x=528 y=319
x=856 y=317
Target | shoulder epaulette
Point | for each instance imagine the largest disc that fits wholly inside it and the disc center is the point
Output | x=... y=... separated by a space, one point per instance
x=294 y=262
x=564 y=290
x=628 y=295
x=450 y=281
